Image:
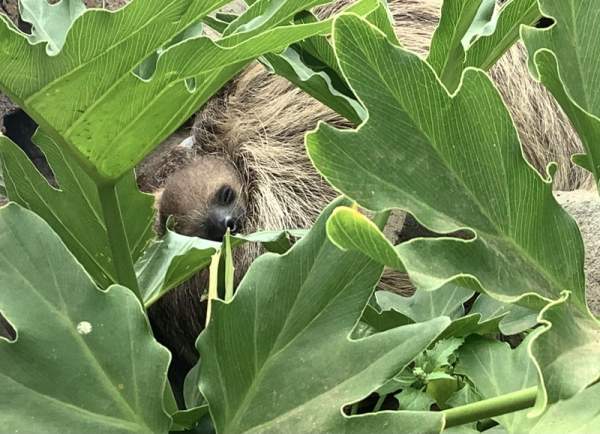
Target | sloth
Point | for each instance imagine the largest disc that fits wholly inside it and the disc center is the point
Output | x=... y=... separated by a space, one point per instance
x=205 y=199
x=248 y=149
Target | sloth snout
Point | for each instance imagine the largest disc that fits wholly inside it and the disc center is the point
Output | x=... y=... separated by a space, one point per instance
x=219 y=222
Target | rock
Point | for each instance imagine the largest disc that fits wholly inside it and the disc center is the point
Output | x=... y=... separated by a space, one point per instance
x=584 y=206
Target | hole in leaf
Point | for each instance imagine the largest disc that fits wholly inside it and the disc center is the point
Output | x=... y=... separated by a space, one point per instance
x=6 y=330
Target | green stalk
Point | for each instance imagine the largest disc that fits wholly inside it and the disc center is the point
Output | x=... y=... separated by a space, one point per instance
x=213 y=283
x=229 y=269
x=379 y=403
x=492 y=407
x=117 y=239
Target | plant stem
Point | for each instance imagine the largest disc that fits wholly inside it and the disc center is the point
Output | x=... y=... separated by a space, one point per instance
x=117 y=239
x=492 y=407
x=213 y=283
x=379 y=403
x=229 y=269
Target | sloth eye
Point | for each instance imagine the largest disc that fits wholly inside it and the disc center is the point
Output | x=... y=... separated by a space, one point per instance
x=226 y=195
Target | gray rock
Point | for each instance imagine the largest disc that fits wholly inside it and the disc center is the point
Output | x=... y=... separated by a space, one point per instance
x=584 y=206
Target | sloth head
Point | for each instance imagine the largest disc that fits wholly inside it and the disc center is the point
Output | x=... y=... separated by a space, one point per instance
x=205 y=198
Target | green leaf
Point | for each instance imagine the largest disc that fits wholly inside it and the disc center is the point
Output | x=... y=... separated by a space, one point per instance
x=416 y=132
x=3 y=192
x=497 y=370
x=447 y=53
x=318 y=84
x=264 y=14
x=84 y=360
x=350 y=230
x=155 y=108
x=171 y=261
x=375 y=320
x=413 y=399
x=566 y=349
x=300 y=367
x=424 y=305
x=396 y=310
x=440 y=387
x=272 y=241
x=487 y=49
x=465 y=395
x=175 y=258
x=440 y=356
x=483 y=24
x=187 y=419
x=514 y=319
x=311 y=64
x=566 y=59
x=576 y=415
x=50 y=23
x=73 y=210
x=191 y=392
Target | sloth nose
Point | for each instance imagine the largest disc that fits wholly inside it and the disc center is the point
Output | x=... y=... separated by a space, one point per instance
x=229 y=223
x=218 y=224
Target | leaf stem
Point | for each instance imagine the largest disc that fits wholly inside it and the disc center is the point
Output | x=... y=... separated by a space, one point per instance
x=492 y=407
x=213 y=283
x=229 y=269
x=117 y=239
x=379 y=403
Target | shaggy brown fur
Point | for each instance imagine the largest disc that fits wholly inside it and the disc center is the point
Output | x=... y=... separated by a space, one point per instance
x=258 y=124
x=196 y=197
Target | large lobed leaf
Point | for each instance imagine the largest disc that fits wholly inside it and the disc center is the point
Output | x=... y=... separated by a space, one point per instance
x=278 y=358
x=566 y=58
x=452 y=162
x=50 y=22
x=566 y=350
x=61 y=373
x=73 y=209
x=497 y=370
x=473 y=34
x=455 y=163
x=447 y=53
x=487 y=49
x=139 y=113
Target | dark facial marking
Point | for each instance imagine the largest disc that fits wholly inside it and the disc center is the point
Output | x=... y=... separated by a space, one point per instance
x=224 y=213
x=225 y=195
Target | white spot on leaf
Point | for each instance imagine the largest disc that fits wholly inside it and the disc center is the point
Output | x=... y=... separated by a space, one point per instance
x=84 y=328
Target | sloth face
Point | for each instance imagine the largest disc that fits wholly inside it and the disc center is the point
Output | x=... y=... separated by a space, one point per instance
x=205 y=199
x=223 y=213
